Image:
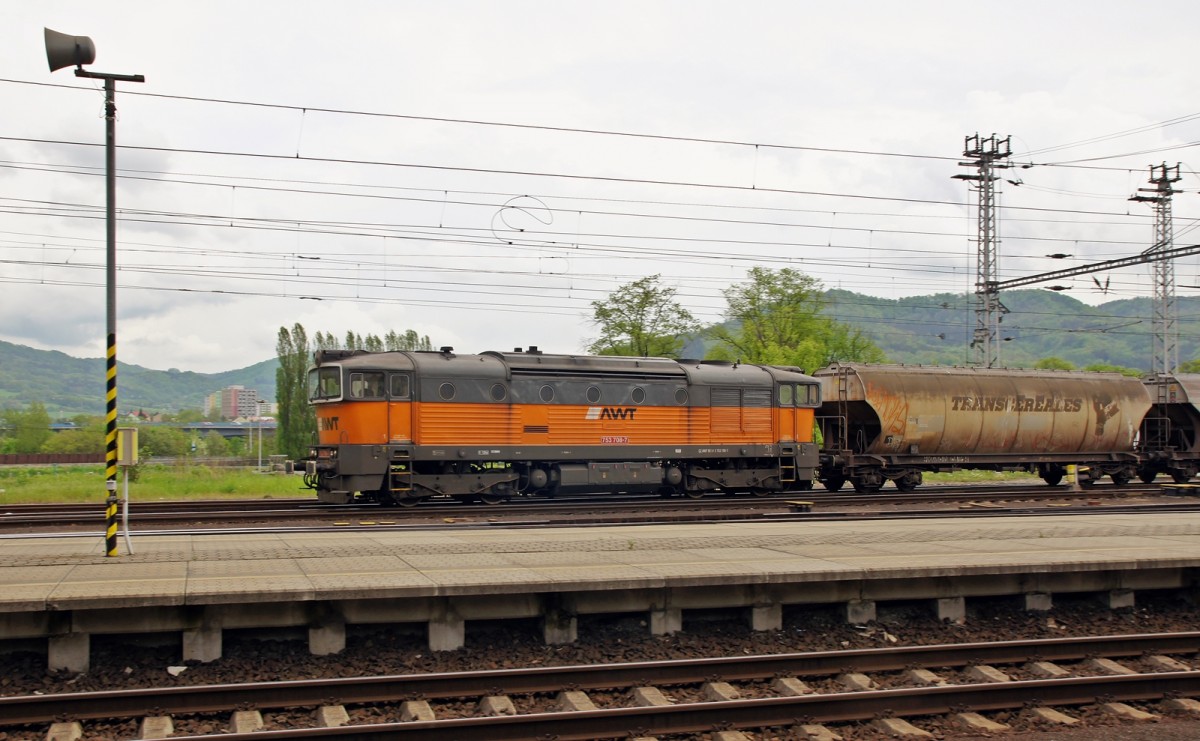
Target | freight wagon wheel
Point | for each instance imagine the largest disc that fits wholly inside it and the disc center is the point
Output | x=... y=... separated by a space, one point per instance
x=1121 y=479
x=1052 y=478
x=909 y=481
x=1182 y=475
x=834 y=484
x=1147 y=477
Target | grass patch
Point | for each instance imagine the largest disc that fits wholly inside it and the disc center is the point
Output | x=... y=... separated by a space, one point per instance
x=154 y=482
x=979 y=477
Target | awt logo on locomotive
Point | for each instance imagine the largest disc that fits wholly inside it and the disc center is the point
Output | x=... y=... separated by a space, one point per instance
x=610 y=412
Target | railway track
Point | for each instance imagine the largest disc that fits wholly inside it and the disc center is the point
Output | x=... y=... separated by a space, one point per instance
x=956 y=501
x=915 y=684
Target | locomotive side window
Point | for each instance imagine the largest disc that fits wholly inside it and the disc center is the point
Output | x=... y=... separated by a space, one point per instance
x=399 y=386
x=593 y=394
x=547 y=393
x=325 y=384
x=809 y=395
x=638 y=394
x=366 y=385
x=499 y=392
x=681 y=396
x=446 y=391
x=785 y=395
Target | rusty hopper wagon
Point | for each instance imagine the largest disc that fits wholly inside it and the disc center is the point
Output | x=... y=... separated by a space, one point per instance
x=1170 y=438
x=893 y=423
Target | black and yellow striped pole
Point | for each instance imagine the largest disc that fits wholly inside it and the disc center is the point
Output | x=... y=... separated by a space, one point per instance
x=63 y=50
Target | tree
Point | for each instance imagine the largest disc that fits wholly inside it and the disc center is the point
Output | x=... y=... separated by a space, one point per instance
x=167 y=442
x=28 y=430
x=297 y=420
x=776 y=319
x=641 y=319
x=1190 y=366
x=215 y=445
x=1110 y=368
x=407 y=341
x=1053 y=363
x=90 y=438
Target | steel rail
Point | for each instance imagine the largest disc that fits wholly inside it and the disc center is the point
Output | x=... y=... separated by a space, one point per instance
x=212 y=698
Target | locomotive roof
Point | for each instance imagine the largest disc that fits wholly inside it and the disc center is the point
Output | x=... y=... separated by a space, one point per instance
x=507 y=364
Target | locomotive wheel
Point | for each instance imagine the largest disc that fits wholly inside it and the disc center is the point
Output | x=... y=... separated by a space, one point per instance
x=832 y=484
x=1147 y=477
x=693 y=493
x=492 y=498
x=805 y=485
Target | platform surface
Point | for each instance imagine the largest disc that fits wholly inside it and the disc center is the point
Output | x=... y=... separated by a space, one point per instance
x=205 y=568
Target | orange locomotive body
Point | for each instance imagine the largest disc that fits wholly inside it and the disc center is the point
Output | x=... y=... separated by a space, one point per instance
x=406 y=426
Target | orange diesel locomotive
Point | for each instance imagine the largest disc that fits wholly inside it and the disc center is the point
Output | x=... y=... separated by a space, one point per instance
x=401 y=427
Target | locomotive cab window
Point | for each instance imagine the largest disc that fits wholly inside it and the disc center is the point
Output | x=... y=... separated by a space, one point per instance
x=366 y=385
x=800 y=394
x=325 y=384
x=399 y=386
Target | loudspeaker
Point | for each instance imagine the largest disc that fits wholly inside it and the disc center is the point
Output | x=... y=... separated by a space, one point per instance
x=68 y=51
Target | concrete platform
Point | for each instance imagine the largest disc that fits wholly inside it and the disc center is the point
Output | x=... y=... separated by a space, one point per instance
x=64 y=590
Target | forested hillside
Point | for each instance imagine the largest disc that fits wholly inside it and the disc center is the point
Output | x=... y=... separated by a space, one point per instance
x=1041 y=324
x=923 y=329
x=67 y=386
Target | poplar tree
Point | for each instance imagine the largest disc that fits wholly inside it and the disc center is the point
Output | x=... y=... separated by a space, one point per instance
x=297 y=420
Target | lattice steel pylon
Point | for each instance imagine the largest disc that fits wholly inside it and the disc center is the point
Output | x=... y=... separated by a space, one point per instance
x=1164 y=358
x=987 y=156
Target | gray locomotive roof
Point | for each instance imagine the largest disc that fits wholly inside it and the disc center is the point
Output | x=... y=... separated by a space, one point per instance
x=506 y=364
x=536 y=362
x=719 y=373
x=363 y=359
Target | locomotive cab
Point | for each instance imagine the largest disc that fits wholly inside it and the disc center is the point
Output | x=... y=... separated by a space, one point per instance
x=363 y=412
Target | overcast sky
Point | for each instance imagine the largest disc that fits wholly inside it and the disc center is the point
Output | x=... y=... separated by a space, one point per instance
x=481 y=172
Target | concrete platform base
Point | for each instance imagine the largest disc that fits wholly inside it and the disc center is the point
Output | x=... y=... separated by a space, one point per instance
x=69 y=653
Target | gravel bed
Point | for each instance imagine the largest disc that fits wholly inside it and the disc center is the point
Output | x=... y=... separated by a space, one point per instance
x=378 y=650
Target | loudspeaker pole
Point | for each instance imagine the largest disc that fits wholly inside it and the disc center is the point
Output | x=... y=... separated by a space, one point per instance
x=64 y=51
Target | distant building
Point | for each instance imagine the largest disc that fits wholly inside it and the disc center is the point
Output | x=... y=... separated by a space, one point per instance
x=235 y=402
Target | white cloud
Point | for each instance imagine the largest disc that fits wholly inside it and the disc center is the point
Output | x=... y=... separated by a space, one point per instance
x=212 y=263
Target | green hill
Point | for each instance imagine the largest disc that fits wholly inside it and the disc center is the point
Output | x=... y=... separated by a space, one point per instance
x=937 y=329
x=69 y=386
x=1040 y=324
x=931 y=329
